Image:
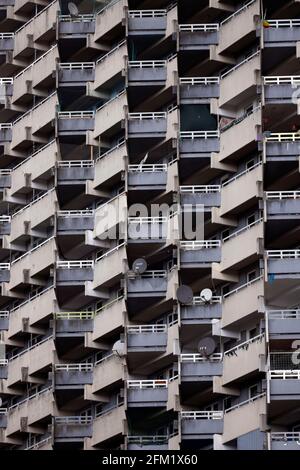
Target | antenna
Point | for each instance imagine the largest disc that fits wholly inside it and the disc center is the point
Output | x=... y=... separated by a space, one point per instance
x=73 y=9
x=139 y=266
x=206 y=295
x=184 y=295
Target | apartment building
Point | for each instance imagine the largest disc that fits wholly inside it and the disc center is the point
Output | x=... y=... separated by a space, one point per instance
x=118 y=329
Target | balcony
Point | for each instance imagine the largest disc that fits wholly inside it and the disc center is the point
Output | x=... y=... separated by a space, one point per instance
x=109 y=217
x=283 y=324
x=109 y=318
x=73 y=375
x=74 y=272
x=244 y=360
x=247 y=127
x=72 y=428
x=199 y=253
x=78 y=26
x=110 y=65
x=75 y=122
x=147 y=125
x=78 y=73
x=147 y=72
x=193 y=143
x=201 y=424
x=240 y=27
x=208 y=196
x=156 y=442
x=5 y=225
x=4 y=272
x=109 y=425
x=29 y=314
x=284 y=384
x=3 y=368
x=75 y=221
x=147 y=338
x=282 y=32
x=110 y=17
x=149 y=284
x=282 y=146
x=108 y=371
x=197 y=368
x=110 y=165
x=194 y=88
x=243 y=246
x=147 y=176
x=148 y=229
x=110 y=116
x=283 y=264
x=201 y=312
x=284 y=441
x=73 y=322
x=110 y=267
x=149 y=22
x=283 y=204
x=280 y=89
x=3 y=418
x=7 y=41
x=5 y=132
x=38 y=29
x=4 y=320
x=249 y=295
x=239 y=192
x=75 y=170
x=244 y=417
x=240 y=82
x=147 y=393
x=7 y=86
x=198 y=36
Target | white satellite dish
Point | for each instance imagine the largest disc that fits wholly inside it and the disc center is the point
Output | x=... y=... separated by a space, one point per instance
x=206 y=295
x=73 y=9
x=119 y=348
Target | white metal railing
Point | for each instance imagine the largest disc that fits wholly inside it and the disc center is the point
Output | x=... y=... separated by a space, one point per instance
x=245 y=344
x=147 y=116
x=248 y=170
x=36 y=345
x=138 y=329
x=109 y=252
x=283 y=254
x=154 y=274
x=111 y=150
x=282 y=80
x=4 y=266
x=73 y=419
x=48 y=98
x=4 y=219
x=285 y=436
x=198 y=300
x=246 y=402
x=3 y=362
x=242 y=230
x=31 y=298
x=157 y=439
x=201 y=415
x=240 y=119
x=33 y=154
x=39 y=443
x=85 y=315
x=147 y=220
x=80 y=367
x=35 y=62
x=216 y=357
x=76 y=19
x=205 y=27
x=75 y=114
x=76 y=164
x=5 y=172
x=4 y=314
x=75 y=213
x=108 y=304
x=104 y=358
x=294 y=23
x=33 y=249
x=199 y=244
x=145 y=384
x=146 y=13
x=237 y=66
x=6 y=81
x=199 y=80
x=238 y=12
x=106 y=103
x=284 y=374
x=148 y=168
x=29 y=398
x=282 y=195
x=243 y=286
x=213 y=188
x=199 y=134
x=283 y=314
x=3 y=411
x=80 y=264
x=5 y=125
x=76 y=65
x=109 y=53
x=146 y=64
x=36 y=16
x=7 y=35
x=32 y=202
x=283 y=137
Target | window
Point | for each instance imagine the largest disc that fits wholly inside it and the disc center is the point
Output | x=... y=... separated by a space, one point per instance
x=253 y=391
x=251 y=219
x=251 y=276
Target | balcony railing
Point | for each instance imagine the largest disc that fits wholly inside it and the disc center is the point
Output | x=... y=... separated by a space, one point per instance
x=4 y=266
x=76 y=164
x=6 y=35
x=284 y=374
x=285 y=436
x=81 y=264
x=147 y=440
x=109 y=252
x=35 y=62
x=138 y=329
x=240 y=64
x=148 y=116
x=6 y=81
x=201 y=414
x=282 y=80
x=75 y=114
x=30 y=348
x=36 y=16
x=76 y=19
x=199 y=80
x=147 y=64
x=80 y=367
x=234 y=291
x=39 y=444
x=76 y=65
x=147 y=13
x=199 y=244
x=283 y=254
x=31 y=397
x=199 y=134
x=3 y=362
x=213 y=188
x=148 y=168
x=76 y=213
x=73 y=419
x=231 y=180
x=5 y=219
x=197 y=300
x=32 y=250
x=243 y=229
x=206 y=27
x=4 y=314
x=146 y=384
x=244 y=345
x=240 y=119
x=283 y=314
x=246 y=402
x=85 y=315
x=238 y=12
x=283 y=137
x=6 y=125
x=294 y=23
x=33 y=202
x=103 y=57
x=216 y=357
x=108 y=152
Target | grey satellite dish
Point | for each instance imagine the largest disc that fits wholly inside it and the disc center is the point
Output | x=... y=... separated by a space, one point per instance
x=139 y=266
x=0 y=402
x=207 y=346
x=206 y=295
x=184 y=294
x=73 y=9
x=119 y=348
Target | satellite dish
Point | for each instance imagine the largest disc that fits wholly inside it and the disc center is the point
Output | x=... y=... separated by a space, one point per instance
x=118 y=348
x=73 y=9
x=207 y=346
x=0 y=402
x=184 y=294
x=139 y=266
x=206 y=295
